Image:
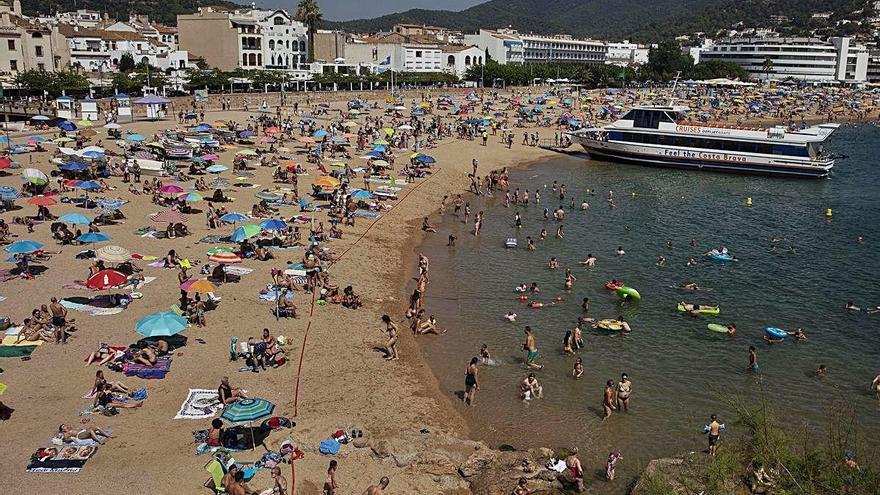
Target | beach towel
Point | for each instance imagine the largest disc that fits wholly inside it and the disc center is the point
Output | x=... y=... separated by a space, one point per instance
x=154 y=372
x=366 y=214
x=329 y=447
x=77 y=285
x=157 y=264
x=199 y=404
x=212 y=239
x=16 y=350
x=238 y=270
x=69 y=459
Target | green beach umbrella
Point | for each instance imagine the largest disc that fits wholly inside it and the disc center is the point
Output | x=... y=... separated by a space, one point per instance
x=245 y=232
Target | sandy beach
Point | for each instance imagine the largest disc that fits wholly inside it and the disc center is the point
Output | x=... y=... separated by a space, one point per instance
x=412 y=433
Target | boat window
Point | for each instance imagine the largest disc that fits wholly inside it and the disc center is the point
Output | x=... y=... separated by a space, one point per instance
x=647 y=119
x=789 y=150
x=628 y=116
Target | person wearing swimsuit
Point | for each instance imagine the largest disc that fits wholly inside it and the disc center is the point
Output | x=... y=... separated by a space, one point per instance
x=470 y=382
x=391 y=346
x=624 y=389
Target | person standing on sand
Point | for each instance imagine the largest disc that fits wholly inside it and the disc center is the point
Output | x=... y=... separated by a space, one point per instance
x=531 y=347
x=471 y=385
x=391 y=332
x=378 y=489
x=330 y=482
x=608 y=400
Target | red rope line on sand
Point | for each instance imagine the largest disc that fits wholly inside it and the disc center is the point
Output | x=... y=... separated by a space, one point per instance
x=314 y=293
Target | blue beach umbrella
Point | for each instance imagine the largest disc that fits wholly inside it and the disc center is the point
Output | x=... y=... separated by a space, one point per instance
x=247 y=410
x=4 y=139
x=245 y=232
x=202 y=128
x=375 y=154
x=426 y=159
x=273 y=224
x=134 y=137
x=93 y=237
x=162 y=324
x=93 y=154
x=320 y=133
x=233 y=218
x=9 y=193
x=88 y=185
x=379 y=147
x=361 y=194
x=66 y=125
x=246 y=134
x=216 y=169
x=36 y=139
x=23 y=247
x=74 y=166
x=111 y=204
x=75 y=219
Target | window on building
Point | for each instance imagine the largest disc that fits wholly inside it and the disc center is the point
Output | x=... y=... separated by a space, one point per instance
x=252 y=59
x=13 y=65
x=278 y=21
x=467 y=60
x=271 y=44
x=41 y=67
x=418 y=54
x=38 y=50
x=244 y=59
x=450 y=60
x=259 y=59
x=10 y=44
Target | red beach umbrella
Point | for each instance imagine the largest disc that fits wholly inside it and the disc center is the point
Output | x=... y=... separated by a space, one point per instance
x=106 y=279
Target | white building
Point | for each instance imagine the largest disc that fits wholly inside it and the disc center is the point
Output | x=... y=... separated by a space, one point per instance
x=83 y=17
x=504 y=46
x=270 y=39
x=459 y=58
x=101 y=50
x=410 y=53
x=626 y=54
x=805 y=59
x=562 y=48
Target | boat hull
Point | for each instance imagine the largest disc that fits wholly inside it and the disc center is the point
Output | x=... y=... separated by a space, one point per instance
x=697 y=159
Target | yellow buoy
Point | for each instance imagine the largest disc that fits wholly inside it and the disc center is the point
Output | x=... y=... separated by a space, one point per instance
x=749 y=201
x=828 y=212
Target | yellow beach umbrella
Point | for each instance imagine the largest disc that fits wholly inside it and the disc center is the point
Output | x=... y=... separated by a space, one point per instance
x=327 y=181
x=202 y=286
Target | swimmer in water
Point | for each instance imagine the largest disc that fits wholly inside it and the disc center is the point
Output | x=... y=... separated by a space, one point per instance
x=798 y=334
x=875 y=386
x=510 y=316
x=530 y=244
x=753 y=360
x=692 y=262
x=543 y=235
x=821 y=371
x=530 y=388
x=590 y=261
x=534 y=288
x=578 y=371
x=661 y=261
x=577 y=337
x=731 y=329
x=608 y=400
x=624 y=325
x=567 y=343
x=451 y=241
x=693 y=243
x=559 y=233
x=689 y=286
x=485 y=357
x=585 y=306
x=860 y=240
x=620 y=251
x=569 y=279
x=668 y=244
x=585 y=205
x=517 y=220
x=552 y=264
x=521 y=288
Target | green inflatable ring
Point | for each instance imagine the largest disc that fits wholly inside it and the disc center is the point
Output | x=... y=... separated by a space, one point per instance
x=628 y=293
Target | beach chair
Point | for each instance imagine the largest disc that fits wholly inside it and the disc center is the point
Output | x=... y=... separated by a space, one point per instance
x=216 y=470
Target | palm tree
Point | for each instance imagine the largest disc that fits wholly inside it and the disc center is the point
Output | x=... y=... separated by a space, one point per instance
x=309 y=13
x=768 y=67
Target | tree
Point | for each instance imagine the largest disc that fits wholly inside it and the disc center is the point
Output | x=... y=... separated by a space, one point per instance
x=666 y=60
x=55 y=83
x=768 y=67
x=210 y=78
x=309 y=13
x=126 y=63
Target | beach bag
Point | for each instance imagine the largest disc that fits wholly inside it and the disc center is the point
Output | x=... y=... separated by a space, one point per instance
x=329 y=447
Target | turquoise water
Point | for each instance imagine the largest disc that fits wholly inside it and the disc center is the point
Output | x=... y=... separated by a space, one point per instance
x=681 y=372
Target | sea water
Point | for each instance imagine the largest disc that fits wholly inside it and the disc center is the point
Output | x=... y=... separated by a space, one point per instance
x=681 y=372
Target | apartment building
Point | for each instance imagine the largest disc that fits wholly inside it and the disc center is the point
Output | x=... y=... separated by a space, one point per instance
x=27 y=45
x=562 y=48
x=504 y=46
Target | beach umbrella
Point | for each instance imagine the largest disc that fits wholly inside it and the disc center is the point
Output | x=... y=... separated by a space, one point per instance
x=233 y=218
x=327 y=181
x=34 y=176
x=305 y=139
x=93 y=154
x=405 y=127
x=201 y=286
x=42 y=201
x=216 y=169
x=168 y=216
x=246 y=153
x=246 y=134
x=113 y=254
x=210 y=157
x=106 y=279
x=380 y=163
x=273 y=224
x=5 y=140
x=379 y=148
x=425 y=159
x=88 y=185
x=338 y=139
x=88 y=133
x=245 y=232
x=112 y=125
x=75 y=219
x=320 y=133
x=381 y=142
x=162 y=324
x=74 y=166
x=93 y=237
x=134 y=138
x=41 y=117
x=170 y=188
x=23 y=247
x=36 y=139
x=361 y=194
x=224 y=258
x=192 y=197
x=268 y=196
x=374 y=154
x=9 y=193
x=111 y=204
x=273 y=130
x=85 y=123
x=66 y=125
x=220 y=249
x=247 y=410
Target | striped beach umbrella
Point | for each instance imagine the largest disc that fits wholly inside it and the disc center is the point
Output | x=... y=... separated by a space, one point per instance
x=192 y=197
x=233 y=218
x=224 y=258
x=113 y=254
x=34 y=176
x=9 y=193
x=168 y=216
x=247 y=411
